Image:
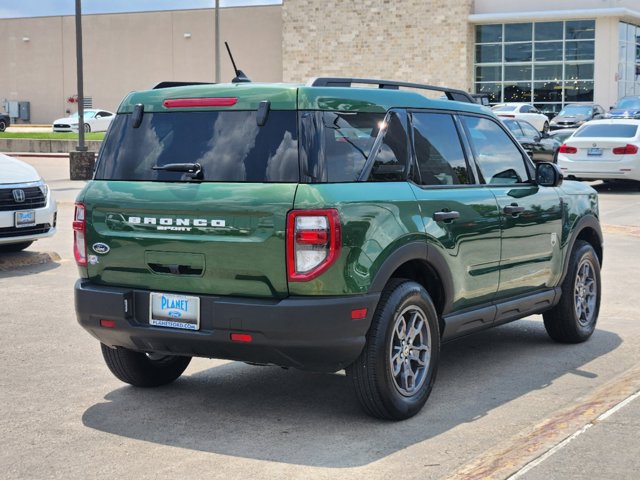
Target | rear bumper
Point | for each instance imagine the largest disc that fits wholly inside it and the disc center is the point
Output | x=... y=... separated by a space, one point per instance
x=310 y=333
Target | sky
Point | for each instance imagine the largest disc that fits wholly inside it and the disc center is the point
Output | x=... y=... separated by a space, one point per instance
x=44 y=8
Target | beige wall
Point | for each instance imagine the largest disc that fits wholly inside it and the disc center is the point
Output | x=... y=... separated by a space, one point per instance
x=426 y=41
x=124 y=52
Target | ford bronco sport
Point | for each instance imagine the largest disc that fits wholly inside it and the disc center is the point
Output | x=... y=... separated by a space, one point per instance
x=324 y=226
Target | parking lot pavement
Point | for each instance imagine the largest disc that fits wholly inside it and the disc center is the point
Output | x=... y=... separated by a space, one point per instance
x=65 y=416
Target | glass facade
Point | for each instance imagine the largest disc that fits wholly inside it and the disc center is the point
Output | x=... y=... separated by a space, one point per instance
x=629 y=60
x=548 y=64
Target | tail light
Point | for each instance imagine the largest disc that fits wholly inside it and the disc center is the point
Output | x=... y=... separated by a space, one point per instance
x=313 y=243
x=626 y=150
x=564 y=148
x=79 y=230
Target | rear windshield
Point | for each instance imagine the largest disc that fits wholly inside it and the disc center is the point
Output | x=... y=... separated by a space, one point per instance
x=629 y=102
x=504 y=108
x=230 y=147
x=608 y=131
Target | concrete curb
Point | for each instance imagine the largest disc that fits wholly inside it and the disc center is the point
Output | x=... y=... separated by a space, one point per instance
x=34 y=145
x=11 y=261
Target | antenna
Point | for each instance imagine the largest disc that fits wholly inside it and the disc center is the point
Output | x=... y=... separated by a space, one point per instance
x=240 y=75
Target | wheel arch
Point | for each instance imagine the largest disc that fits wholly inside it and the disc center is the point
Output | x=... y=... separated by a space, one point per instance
x=417 y=262
x=587 y=229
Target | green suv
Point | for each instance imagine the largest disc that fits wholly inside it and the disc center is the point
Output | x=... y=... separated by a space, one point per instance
x=325 y=226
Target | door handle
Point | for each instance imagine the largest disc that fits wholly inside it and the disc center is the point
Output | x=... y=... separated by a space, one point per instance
x=445 y=216
x=513 y=209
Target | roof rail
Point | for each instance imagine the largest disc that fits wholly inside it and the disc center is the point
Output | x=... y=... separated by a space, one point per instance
x=171 y=83
x=451 y=93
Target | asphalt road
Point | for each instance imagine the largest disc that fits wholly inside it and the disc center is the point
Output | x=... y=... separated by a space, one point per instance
x=503 y=398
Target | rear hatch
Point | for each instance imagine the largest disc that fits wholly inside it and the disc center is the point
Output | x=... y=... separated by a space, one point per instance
x=214 y=224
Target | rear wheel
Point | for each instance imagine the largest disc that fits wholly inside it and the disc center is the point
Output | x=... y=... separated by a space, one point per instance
x=574 y=319
x=545 y=127
x=14 y=247
x=143 y=369
x=3 y=125
x=394 y=374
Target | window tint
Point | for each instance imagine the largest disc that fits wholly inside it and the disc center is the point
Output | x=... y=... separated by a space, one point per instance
x=229 y=145
x=513 y=126
x=499 y=160
x=604 y=130
x=391 y=160
x=439 y=154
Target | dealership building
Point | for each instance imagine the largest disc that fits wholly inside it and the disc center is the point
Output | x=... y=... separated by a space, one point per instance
x=548 y=53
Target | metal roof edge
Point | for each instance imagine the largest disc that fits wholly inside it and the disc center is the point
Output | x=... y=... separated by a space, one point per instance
x=554 y=15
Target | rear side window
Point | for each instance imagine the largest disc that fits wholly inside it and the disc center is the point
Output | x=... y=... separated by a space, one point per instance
x=499 y=159
x=439 y=154
x=336 y=145
x=230 y=147
x=608 y=131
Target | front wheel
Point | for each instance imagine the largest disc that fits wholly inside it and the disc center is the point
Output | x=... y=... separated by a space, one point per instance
x=545 y=127
x=143 y=369
x=394 y=374
x=3 y=125
x=574 y=318
x=87 y=127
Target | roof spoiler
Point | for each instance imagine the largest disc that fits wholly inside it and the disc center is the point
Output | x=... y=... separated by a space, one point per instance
x=451 y=93
x=171 y=83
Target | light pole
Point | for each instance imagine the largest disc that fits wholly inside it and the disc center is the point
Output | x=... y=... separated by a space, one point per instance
x=217 y=41
x=81 y=146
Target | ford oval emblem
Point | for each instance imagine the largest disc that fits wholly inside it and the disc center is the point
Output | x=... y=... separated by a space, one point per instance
x=101 y=248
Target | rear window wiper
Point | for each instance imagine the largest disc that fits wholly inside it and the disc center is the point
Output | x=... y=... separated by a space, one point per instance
x=193 y=171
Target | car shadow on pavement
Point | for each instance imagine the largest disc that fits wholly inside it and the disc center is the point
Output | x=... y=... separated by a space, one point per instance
x=27 y=262
x=267 y=413
x=617 y=188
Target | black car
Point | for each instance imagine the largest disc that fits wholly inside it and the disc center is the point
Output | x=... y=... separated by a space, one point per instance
x=5 y=122
x=541 y=147
x=575 y=114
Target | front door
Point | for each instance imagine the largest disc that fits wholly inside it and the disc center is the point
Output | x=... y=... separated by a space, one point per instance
x=531 y=215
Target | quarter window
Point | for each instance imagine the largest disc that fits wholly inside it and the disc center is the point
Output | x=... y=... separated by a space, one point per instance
x=439 y=154
x=499 y=160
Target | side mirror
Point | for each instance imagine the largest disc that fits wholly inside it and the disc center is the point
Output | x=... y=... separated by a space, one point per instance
x=548 y=175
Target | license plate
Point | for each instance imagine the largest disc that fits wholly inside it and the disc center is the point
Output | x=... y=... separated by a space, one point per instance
x=26 y=218
x=594 y=152
x=174 y=311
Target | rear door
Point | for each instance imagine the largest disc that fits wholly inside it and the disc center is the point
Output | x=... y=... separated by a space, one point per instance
x=218 y=232
x=461 y=218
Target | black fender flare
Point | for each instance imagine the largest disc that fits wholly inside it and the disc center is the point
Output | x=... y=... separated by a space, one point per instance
x=415 y=250
x=587 y=221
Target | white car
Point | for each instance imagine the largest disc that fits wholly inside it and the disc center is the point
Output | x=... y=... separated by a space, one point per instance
x=523 y=111
x=27 y=210
x=94 y=121
x=602 y=150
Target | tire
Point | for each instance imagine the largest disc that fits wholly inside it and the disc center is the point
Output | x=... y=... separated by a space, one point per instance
x=574 y=318
x=87 y=128
x=3 y=125
x=141 y=369
x=14 y=247
x=545 y=127
x=378 y=375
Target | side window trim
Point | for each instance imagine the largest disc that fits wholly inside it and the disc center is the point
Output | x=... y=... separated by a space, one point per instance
x=528 y=163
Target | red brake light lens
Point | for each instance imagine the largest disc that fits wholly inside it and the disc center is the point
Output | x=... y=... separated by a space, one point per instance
x=200 y=102
x=626 y=150
x=313 y=243
x=79 y=239
x=564 y=148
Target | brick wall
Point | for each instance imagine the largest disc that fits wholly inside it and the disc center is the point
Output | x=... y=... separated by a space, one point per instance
x=426 y=41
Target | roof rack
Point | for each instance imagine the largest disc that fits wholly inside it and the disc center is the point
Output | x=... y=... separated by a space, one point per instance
x=171 y=83
x=451 y=93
